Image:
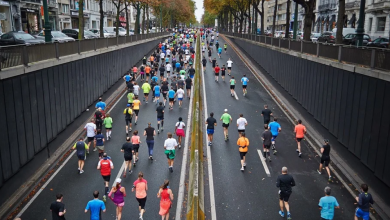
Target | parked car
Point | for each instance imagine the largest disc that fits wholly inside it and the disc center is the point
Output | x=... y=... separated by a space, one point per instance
x=314 y=37
x=56 y=36
x=345 y=31
x=382 y=42
x=105 y=33
x=18 y=37
x=351 y=39
x=300 y=35
x=121 y=32
x=74 y=33
x=327 y=37
x=279 y=34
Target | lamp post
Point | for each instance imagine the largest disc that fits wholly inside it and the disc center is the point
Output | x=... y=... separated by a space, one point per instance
x=360 y=29
x=295 y=21
x=47 y=25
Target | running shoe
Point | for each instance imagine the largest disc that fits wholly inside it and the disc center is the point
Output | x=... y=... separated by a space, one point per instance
x=162 y=129
x=269 y=158
x=330 y=178
x=275 y=152
x=171 y=169
x=209 y=143
x=179 y=146
x=81 y=171
x=135 y=123
x=146 y=102
x=299 y=155
x=244 y=165
x=273 y=147
x=104 y=198
x=130 y=129
x=288 y=216
x=158 y=131
x=297 y=150
x=130 y=172
x=242 y=169
x=95 y=149
x=281 y=214
x=319 y=172
x=134 y=164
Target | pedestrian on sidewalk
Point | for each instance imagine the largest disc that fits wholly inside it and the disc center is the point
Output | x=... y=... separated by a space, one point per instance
x=179 y=130
x=127 y=149
x=243 y=144
x=300 y=131
x=363 y=201
x=266 y=113
x=91 y=132
x=226 y=119
x=105 y=166
x=166 y=195
x=95 y=206
x=107 y=122
x=285 y=182
x=57 y=208
x=266 y=136
x=325 y=158
x=99 y=143
x=241 y=123
x=327 y=205
x=118 y=199
x=170 y=145
x=141 y=187
x=150 y=132
x=81 y=150
x=136 y=141
x=211 y=122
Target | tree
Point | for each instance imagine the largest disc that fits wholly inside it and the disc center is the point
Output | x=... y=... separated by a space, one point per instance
x=118 y=4
x=127 y=4
x=208 y=19
x=261 y=13
x=274 y=18
x=340 y=22
x=81 y=19
x=101 y=12
x=309 y=17
x=287 y=34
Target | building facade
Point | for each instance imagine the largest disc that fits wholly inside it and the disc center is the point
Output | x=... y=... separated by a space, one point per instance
x=377 y=19
x=281 y=15
x=326 y=15
x=5 y=17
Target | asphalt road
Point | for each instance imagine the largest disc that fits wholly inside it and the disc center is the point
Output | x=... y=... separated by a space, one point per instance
x=77 y=189
x=252 y=194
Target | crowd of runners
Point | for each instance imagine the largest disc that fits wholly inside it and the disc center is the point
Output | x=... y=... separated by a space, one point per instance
x=166 y=78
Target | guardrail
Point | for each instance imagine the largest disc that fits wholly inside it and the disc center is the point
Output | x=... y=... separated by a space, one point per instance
x=11 y=56
x=374 y=58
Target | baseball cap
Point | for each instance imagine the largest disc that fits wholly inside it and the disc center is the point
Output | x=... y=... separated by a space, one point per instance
x=118 y=180
x=128 y=105
x=226 y=110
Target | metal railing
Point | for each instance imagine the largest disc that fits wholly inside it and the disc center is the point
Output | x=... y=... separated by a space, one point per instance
x=11 y=56
x=374 y=58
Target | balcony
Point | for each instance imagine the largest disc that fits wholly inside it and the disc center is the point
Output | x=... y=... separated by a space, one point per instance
x=327 y=7
x=378 y=6
x=32 y=1
x=351 y=5
x=51 y=3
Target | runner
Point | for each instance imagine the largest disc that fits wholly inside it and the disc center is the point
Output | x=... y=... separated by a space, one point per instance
x=168 y=67
x=243 y=144
x=127 y=77
x=90 y=127
x=81 y=150
x=219 y=52
x=127 y=149
x=99 y=118
x=191 y=72
x=117 y=195
x=146 y=89
x=96 y=206
x=157 y=90
x=179 y=130
x=136 y=141
x=209 y=52
x=57 y=208
x=166 y=200
x=105 y=166
x=171 y=96
x=226 y=119
x=130 y=97
x=266 y=113
x=100 y=104
x=162 y=70
x=174 y=85
x=285 y=182
x=244 y=81
x=325 y=158
x=136 y=107
x=180 y=95
x=108 y=125
x=275 y=128
x=164 y=89
x=223 y=72
x=136 y=89
x=188 y=83
x=214 y=62
x=204 y=62
x=140 y=186
x=363 y=200
x=266 y=137
x=128 y=112
x=232 y=86
x=160 y=117
x=170 y=145
x=142 y=72
x=150 y=132
x=211 y=122
x=99 y=143
x=300 y=131
x=144 y=59
x=229 y=66
x=241 y=123
x=327 y=205
x=225 y=47
x=135 y=71
x=216 y=70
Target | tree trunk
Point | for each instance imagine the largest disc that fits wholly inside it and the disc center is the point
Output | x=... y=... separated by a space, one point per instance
x=340 y=22
x=249 y=20
x=262 y=27
x=118 y=10
x=274 y=19
x=309 y=10
x=226 y=19
x=81 y=20
x=287 y=34
x=231 y=22
x=101 y=12
x=137 y=19
x=147 y=19
x=127 y=18
x=143 y=19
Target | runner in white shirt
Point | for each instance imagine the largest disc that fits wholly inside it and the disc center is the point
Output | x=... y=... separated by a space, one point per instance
x=170 y=145
x=241 y=123
x=168 y=67
x=168 y=51
x=162 y=56
x=136 y=88
x=229 y=66
x=180 y=95
x=91 y=132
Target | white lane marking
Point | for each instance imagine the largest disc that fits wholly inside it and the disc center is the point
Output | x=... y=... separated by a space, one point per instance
x=209 y=162
x=264 y=163
x=235 y=95
x=180 y=197
x=58 y=170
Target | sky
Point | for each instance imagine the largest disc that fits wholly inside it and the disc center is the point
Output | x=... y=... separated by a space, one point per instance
x=199 y=9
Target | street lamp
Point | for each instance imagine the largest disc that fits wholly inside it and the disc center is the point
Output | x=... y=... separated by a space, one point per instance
x=47 y=25
x=360 y=29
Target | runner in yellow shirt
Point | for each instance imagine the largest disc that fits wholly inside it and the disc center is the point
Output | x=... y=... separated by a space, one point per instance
x=146 y=88
x=136 y=104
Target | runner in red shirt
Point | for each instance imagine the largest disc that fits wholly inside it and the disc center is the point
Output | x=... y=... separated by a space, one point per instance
x=160 y=45
x=105 y=166
x=216 y=70
x=300 y=131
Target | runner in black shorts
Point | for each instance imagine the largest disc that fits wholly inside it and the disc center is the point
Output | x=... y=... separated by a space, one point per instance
x=285 y=182
x=325 y=158
x=266 y=136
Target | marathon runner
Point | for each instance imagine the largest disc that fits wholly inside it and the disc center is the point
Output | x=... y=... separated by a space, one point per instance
x=136 y=106
x=127 y=149
x=325 y=158
x=90 y=127
x=226 y=119
x=128 y=112
x=243 y=144
x=170 y=145
x=146 y=89
x=266 y=137
x=136 y=141
x=188 y=83
x=244 y=81
x=107 y=122
x=229 y=66
x=211 y=122
x=171 y=96
x=105 y=166
x=99 y=142
x=179 y=130
x=157 y=90
x=81 y=150
x=160 y=117
x=232 y=86
x=266 y=113
x=275 y=129
x=223 y=72
x=300 y=131
x=180 y=95
x=216 y=71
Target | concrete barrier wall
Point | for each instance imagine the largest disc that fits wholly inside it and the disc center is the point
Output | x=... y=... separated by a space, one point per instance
x=355 y=108
x=36 y=106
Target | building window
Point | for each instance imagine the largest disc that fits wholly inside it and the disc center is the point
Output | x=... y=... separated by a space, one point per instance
x=370 y=24
x=381 y=24
x=65 y=8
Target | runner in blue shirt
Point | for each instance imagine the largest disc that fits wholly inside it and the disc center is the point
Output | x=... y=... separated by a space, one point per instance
x=127 y=78
x=100 y=104
x=171 y=96
x=327 y=205
x=156 y=90
x=95 y=206
x=219 y=52
x=177 y=66
x=155 y=78
x=244 y=81
x=275 y=128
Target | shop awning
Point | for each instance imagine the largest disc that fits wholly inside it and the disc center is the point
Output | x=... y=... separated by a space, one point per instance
x=353 y=19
